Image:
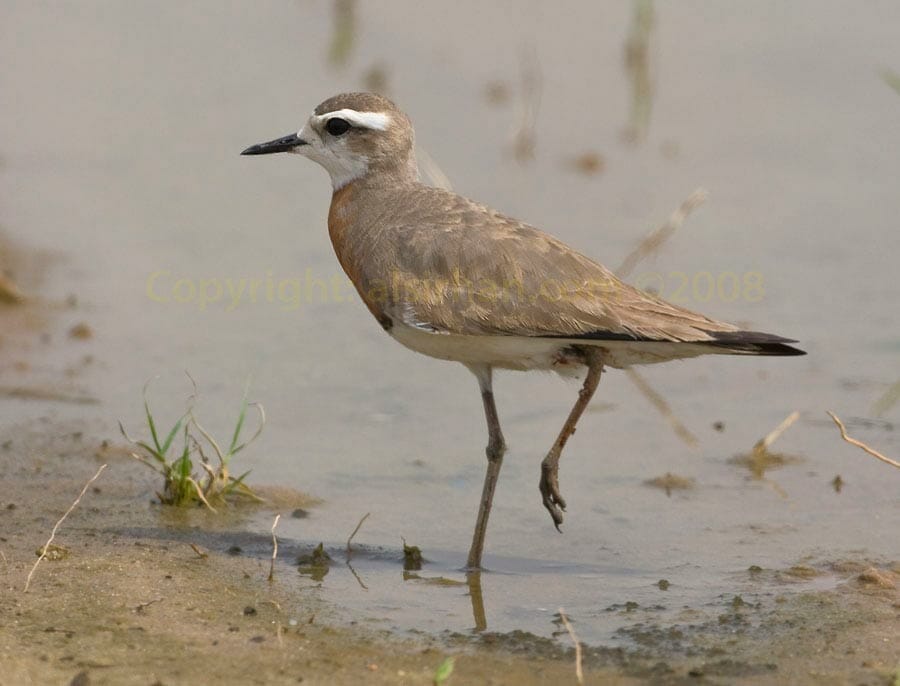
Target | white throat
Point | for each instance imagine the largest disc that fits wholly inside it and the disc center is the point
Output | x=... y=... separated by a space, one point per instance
x=343 y=171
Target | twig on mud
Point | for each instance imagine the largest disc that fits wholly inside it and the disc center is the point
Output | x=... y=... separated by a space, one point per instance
x=200 y=553
x=760 y=459
x=350 y=552
x=364 y=518
x=274 y=548
x=56 y=527
x=653 y=242
x=766 y=441
x=579 y=674
x=139 y=609
x=860 y=444
x=662 y=406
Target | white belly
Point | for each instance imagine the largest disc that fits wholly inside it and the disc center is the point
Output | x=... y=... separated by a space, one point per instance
x=506 y=352
x=524 y=352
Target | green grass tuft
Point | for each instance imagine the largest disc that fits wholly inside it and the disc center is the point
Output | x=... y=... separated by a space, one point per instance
x=182 y=484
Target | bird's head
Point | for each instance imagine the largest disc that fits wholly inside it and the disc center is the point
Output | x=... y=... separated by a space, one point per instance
x=353 y=135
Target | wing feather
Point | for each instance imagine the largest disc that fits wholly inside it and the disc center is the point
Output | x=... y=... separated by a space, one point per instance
x=437 y=260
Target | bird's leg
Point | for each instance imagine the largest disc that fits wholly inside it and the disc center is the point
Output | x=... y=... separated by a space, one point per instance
x=553 y=501
x=495 y=448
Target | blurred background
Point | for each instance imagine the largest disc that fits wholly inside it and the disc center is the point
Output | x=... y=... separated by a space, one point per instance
x=120 y=178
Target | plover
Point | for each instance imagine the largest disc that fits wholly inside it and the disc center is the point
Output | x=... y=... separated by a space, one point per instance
x=457 y=280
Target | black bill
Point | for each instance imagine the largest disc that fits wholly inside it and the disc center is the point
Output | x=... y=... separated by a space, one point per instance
x=284 y=144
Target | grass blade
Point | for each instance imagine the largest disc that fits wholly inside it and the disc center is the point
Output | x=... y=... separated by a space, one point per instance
x=212 y=441
x=259 y=429
x=150 y=421
x=168 y=442
x=239 y=425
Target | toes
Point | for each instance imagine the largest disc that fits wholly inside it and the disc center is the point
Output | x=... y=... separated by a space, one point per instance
x=555 y=513
x=557 y=518
x=552 y=499
x=550 y=490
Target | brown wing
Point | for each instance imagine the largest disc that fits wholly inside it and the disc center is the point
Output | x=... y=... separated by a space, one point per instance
x=442 y=262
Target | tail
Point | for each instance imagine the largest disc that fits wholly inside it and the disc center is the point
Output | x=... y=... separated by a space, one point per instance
x=754 y=343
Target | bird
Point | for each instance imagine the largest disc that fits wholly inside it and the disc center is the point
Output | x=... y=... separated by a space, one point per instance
x=456 y=280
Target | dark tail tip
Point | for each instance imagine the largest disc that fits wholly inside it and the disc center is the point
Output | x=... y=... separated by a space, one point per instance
x=755 y=343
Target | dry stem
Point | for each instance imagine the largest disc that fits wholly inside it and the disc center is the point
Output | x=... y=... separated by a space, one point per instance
x=364 y=518
x=860 y=444
x=579 y=674
x=56 y=527
x=200 y=494
x=766 y=442
x=274 y=548
x=652 y=242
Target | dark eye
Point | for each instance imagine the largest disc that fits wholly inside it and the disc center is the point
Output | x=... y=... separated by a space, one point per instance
x=337 y=126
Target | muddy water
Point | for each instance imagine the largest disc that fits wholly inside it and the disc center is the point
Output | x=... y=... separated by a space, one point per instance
x=121 y=129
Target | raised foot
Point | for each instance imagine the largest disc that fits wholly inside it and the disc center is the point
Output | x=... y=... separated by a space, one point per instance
x=550 y=494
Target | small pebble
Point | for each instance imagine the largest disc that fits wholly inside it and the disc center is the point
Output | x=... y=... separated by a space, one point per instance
x=588 y=163
x=81 y=331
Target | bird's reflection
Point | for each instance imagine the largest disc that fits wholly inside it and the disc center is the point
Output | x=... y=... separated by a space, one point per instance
x=473 y=580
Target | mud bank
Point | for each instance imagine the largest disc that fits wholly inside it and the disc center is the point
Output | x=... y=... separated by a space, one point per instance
x=141 y=594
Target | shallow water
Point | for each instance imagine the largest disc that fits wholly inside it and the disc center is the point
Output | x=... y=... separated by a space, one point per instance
x=121 y=129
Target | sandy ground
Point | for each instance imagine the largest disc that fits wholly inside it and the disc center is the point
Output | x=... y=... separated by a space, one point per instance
x=132 y=602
